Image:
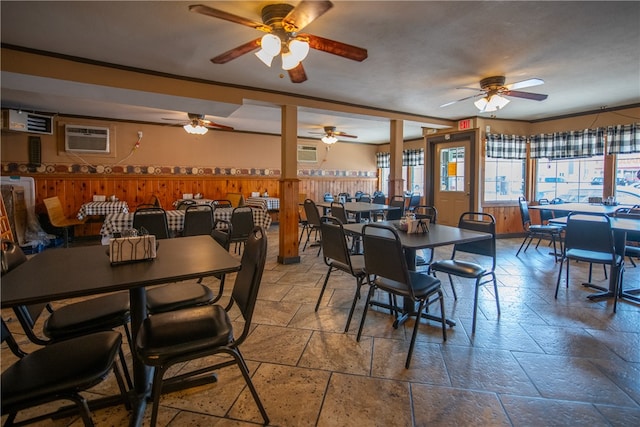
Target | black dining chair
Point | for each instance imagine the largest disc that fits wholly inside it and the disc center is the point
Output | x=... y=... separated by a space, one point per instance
x=151 y=221
x=71 y=320
x=386 y=269
x=632 y=243
x=395 y=214
x=173 y=296
x=379 y=199
x=242 y=225
x=222 y=203
x=56 y=372
x=589 y=238
x=537 y=231
x=194 y=333
x=338 y=257
x=430 y=213
x=184 y=204
x=198 y=220
x=482 y=272
x=313 y=221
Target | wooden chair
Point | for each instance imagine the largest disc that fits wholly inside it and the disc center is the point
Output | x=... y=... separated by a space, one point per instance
x=59 y=219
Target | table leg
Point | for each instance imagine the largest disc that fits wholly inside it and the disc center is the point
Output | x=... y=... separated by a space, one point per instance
x=620 y=238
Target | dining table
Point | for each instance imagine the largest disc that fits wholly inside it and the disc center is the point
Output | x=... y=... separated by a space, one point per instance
x=620 y=227
x=437 y=235
x=585 y=208
x=102 y=208
x=117 y=222
x=357 y=208
x=63 y=273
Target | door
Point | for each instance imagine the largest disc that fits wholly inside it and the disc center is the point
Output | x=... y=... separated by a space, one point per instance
x=452 y=181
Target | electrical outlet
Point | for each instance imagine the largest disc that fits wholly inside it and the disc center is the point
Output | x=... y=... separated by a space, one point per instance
x=139 y=134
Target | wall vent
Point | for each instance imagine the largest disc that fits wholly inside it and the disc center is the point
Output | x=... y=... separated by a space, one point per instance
x=307 y=153
x=86 y=139
x=21 y=121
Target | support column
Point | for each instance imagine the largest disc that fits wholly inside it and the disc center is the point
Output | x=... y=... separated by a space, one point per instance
x=288 y=252
x=396 y=181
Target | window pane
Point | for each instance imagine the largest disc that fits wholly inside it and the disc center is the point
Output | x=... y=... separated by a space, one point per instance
x=504 y=179
x=628 y=178
x=572 y=180
x=452 y=169
x=384 y=181
x=417 y=180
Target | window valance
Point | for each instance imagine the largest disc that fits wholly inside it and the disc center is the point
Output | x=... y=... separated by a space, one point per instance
x=623 y=139
x=409 y=158
x=501 y=146
x=568 y=145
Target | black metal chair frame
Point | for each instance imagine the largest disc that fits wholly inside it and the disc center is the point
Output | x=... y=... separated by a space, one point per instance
x=475 y=221
x=395 y=214
x=338 y=257
x=537 y=231
x=589 y=238
x=197 y=332
x=198 y=220
x=60 y=371
x=151 y=221
x=242 y=226
x=313 y=221
x=386 y=269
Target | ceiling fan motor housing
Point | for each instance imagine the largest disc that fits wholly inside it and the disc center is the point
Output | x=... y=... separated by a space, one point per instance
x=273 y=14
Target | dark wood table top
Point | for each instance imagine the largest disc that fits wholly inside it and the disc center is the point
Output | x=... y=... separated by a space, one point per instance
x=438 y=235
x=619 y=224
x=597 y=208
x=81 y=271
x=360 y=206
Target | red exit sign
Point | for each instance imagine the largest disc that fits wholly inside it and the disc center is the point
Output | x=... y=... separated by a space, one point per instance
x=464 y=124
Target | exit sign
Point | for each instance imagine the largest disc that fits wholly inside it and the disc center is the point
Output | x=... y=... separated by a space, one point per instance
x=464 y=124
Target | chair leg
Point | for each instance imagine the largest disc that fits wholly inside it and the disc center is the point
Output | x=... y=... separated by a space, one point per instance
x=247 y=378
x=353 y=304
x=156 y=390
x=559 y=276
x=523 y=242
x=475 y=307
x=324 y=286
x=495 y=289
x=414 y=334
x=453 y=288
x=372 y=289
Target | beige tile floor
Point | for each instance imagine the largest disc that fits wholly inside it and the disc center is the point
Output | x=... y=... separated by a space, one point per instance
x=568 y=361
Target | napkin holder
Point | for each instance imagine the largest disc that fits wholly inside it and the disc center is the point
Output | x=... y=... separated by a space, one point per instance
x=418 y=226
x=132 y=249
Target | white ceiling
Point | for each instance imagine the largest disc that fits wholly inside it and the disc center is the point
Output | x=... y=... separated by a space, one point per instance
x=421 y=54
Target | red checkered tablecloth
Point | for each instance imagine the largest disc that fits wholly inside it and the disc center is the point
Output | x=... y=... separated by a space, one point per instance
x=116 y=222
x=102 y=208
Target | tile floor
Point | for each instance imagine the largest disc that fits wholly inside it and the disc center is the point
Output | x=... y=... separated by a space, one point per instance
x=568 y=361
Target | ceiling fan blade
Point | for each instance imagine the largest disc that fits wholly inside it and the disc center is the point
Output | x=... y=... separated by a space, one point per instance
x=210 y=124
x=215 y=13
x=297 y=74
x=336 y=48
x=463 y=99
x=524 y=83
x=526 y=95
x=345 y=135
x=236 y=52
x=304 y=14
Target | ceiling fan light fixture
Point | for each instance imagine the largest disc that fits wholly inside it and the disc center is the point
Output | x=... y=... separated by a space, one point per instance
x=270 y=48
x=491 y=103
x=299 y=49
x=289 y=61
x=329 y=139
x=195 y=130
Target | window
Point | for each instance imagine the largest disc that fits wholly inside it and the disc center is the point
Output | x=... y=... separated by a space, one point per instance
x=569 y=179
x=504 y=179
x=452 y=169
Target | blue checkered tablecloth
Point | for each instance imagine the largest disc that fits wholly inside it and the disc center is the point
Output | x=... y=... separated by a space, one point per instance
x=102 y=208
x=116 y=222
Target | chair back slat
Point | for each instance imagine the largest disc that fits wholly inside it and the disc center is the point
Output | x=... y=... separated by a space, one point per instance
x=337 y=211
x=154 y=220
x=198 y=220
x=482 y=222
x=311 y=211
x=334 y=242
x=248 y=279
x=383 y=253
x=591 y=232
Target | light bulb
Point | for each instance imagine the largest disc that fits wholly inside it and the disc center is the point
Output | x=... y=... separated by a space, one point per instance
x=329 y=139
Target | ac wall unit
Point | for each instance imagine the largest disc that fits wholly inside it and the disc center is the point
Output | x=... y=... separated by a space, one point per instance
x=86 y=139
x=307 y=153
x=21 y=121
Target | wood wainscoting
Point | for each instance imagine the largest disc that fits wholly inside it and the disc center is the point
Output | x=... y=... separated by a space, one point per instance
x=76 y=189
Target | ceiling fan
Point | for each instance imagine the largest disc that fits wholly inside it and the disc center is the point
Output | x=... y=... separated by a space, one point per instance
x=283 y=22
x=330 y=135
x=493 y=91
x=197 y=124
